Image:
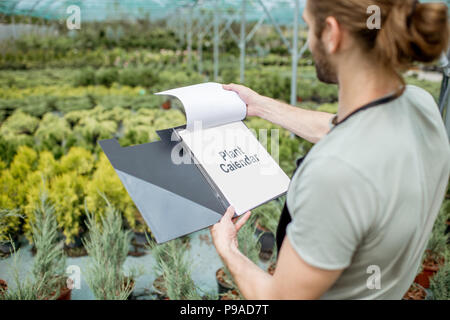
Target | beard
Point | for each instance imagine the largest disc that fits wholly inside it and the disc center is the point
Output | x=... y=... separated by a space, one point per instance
x=324 y=69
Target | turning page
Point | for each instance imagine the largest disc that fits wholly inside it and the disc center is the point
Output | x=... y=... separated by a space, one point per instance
x=209 y=104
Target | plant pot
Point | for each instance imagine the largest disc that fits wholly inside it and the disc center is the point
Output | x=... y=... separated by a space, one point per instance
x=6 y=247
x=76 y=243
x=267 y=241
x=65 y=294
x=3 y=285
x=130 y=285
x=167 y=105
x=230 y=295
x=271 y=269
x=138 y=243
x=429 y=268
x=160 y=289
x=415 y=292
x=139 y=239
x=224 y=284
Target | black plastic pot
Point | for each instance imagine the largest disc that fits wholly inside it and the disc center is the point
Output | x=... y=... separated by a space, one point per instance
x=267 y=241
x=76 y=243
x=223 y=287
x=6 y=248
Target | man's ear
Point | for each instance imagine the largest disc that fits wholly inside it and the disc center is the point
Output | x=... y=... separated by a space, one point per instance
x=332 y=35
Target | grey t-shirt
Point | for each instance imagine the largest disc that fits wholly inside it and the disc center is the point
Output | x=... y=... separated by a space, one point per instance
x=366 y=197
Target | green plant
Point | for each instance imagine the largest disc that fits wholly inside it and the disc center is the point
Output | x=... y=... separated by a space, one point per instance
x=49 y=261
x=105 y=182
x=440 y=283
x=24 y=290
x=175 y=268
x=5 y=217
x=437 y=244
x=268 y=215
x=107 y=245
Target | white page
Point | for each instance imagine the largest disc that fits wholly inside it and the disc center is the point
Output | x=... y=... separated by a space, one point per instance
x=209 y=104
x=247 y=187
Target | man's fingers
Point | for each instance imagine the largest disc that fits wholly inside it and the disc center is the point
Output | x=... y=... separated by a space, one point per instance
x=229 y=214
x=242 y=221
x=229 y=87
x=233 y=87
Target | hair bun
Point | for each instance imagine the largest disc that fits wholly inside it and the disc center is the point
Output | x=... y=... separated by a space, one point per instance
x=413 y=31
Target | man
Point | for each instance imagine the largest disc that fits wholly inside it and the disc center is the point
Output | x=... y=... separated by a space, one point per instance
x=366 y=197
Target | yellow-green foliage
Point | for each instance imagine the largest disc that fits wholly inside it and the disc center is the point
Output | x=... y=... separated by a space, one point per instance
x=19 y=123
x=18 y=129
x=105 y=182
x=64 y=180
x=329 y=108
x=14 y=184
x=52 y=133
x=141 y=126
x=67 y=192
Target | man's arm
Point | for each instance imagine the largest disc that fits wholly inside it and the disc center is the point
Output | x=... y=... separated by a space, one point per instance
x=309 y=125
x=293 y=278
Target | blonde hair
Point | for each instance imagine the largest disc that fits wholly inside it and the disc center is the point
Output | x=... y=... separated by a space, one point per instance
x=410 y=31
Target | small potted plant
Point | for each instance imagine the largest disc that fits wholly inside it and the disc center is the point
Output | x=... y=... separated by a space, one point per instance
x=440 y=283
x=50 y=261
x=25 y=289
x=107 y=245
x=267 y=218
x=175 y=281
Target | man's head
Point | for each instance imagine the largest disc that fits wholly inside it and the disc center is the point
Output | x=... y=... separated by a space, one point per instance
x=410 y=32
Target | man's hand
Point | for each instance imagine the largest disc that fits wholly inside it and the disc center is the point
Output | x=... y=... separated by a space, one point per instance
x=254 y=101
x=224 y=233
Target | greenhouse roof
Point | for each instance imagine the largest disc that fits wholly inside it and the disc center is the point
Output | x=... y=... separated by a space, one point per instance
x=100 y=10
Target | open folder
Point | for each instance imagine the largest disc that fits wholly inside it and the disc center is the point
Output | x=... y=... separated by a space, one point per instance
x=186 y=181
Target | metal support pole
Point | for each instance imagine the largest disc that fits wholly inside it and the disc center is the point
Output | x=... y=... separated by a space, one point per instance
x=216 y=40
x=189 y=36
x=243 y=41
x=200 y=53
x=14 y=27
x=295 y=55
x=274 y=23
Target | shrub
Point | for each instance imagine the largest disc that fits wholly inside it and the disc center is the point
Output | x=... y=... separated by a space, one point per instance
x=440 y=282
x=6 y=215
x=52 y=134
x=85 y=77
x=49 y=262
x=175 y=268
x=106 y=183
x=24 y=289
x=106 y=76
x=107 y=245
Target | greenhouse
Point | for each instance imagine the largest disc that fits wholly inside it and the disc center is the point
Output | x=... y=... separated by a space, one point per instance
x=80 y=220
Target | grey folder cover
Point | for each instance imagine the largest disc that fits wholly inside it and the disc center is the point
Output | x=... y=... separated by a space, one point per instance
x=174 y=200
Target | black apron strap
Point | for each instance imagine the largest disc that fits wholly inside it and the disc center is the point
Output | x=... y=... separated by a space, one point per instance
x=285 y=218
